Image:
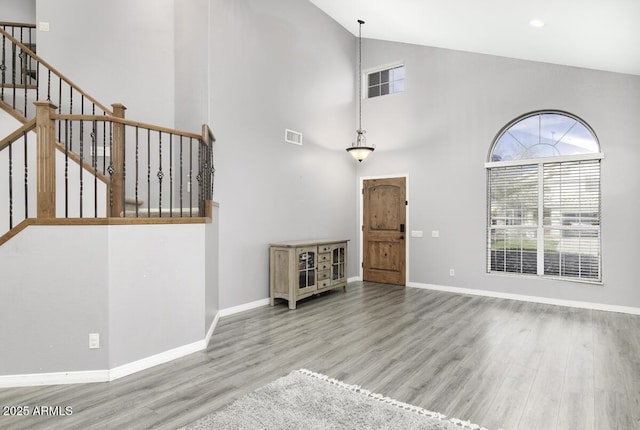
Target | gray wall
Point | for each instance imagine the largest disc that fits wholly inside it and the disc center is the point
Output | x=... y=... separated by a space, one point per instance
x=275 y=65
x=20 y=11
x=119 y=51
x=54 y=293
x=156 y=289
x=439 y=132
x=191 y=64
x=142 y=288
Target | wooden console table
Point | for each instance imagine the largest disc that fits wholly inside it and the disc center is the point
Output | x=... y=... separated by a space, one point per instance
x=301 y=269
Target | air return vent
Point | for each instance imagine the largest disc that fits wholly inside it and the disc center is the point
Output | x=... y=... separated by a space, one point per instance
x=291 y=136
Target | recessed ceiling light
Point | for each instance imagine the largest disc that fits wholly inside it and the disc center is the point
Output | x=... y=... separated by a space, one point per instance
x=537 y=23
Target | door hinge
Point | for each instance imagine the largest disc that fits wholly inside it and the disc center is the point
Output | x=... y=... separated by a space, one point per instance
x=362 y=265
x=363 y=191
x=406 y=202
x=363 y=228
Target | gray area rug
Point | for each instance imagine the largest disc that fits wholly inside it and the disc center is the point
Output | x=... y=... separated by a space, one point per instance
x=309 y=400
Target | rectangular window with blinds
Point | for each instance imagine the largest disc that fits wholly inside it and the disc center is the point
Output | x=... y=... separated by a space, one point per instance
x=544 y=219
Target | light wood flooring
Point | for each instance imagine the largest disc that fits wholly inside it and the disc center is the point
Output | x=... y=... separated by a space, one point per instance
x=498 y=363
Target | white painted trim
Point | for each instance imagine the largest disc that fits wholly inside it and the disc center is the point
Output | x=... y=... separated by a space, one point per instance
x=354 y=279
x=406 y=220
x=241 y=308
x=154 y=360
x=91 y=376
x=207 y=338
x=532 y=161
x=56 y=378
x=532 y=299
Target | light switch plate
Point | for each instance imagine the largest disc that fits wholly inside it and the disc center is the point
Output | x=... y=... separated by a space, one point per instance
x=94 y=340
x=416 y=233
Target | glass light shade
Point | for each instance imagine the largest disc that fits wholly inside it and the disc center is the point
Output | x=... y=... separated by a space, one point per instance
x=360 y=152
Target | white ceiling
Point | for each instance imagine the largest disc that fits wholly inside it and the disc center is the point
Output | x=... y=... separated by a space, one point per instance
x=594 y=34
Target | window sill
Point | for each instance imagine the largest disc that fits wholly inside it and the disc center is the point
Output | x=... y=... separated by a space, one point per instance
x=545 y=277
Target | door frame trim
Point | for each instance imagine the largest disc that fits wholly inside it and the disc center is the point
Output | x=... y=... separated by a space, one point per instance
x=361 y=180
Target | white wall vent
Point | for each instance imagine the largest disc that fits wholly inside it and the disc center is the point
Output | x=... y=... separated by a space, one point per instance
x=294 y=137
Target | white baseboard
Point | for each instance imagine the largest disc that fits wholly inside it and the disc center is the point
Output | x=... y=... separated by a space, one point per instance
x=154 y=360
x=241 y=308
x=91 y=376
x=55 y=378
x=211 y=329
x=532 y=299
x=354 y=279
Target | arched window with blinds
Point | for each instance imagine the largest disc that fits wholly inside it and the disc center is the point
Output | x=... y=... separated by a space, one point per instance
x=543 y=192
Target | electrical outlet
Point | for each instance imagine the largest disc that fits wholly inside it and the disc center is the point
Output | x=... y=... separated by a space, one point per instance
x=94 y=340
x=435 y=233
x=43 y=26
x=452 y=272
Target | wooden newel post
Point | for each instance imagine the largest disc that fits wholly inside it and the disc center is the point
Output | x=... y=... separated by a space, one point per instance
x=117 y=186
x=46 y=155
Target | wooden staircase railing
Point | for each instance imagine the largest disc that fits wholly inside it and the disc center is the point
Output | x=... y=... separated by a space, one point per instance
x=26 y=78
x=16 y=188
x=86 y=161
x=170 y=170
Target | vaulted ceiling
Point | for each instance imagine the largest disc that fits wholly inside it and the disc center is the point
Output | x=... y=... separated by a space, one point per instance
x=594 y=34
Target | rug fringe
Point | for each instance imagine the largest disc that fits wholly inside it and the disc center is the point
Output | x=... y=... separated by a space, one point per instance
x=393 y=402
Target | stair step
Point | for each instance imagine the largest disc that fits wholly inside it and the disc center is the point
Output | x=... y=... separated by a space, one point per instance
x=155 y=213
x=131 y=202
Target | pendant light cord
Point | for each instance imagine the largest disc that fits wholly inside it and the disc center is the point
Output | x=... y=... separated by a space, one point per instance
x=360 y=22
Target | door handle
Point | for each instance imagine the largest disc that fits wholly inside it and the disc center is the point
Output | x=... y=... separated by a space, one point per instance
x=401 y=237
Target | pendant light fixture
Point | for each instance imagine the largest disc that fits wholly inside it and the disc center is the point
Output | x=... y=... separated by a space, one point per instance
x=359 y=149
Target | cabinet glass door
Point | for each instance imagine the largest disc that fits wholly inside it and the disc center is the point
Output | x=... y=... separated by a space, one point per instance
x=306 y=268
x=338 y=263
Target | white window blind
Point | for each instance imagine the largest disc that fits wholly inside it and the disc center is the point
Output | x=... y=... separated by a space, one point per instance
x=572 y=219
x=545 y=219
x=513 y=219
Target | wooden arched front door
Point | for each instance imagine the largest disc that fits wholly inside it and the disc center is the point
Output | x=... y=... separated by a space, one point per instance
x=384 y=230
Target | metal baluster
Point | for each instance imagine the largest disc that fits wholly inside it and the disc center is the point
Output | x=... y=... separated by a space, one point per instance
x=81 y=168
x=48 y=85
x=110 y=169
x=160 y=174
x=94 y=164
x=148 y=172
x=213 y=170
x=124 y=167
x=13 y=73
x=104 y=148
x=30 y=59
x=171 y=175
x=10 y=185
x=66 y=168
x=70 y=113
x=181 y=174
x=26 y=176
x=137 y=170
x=59 y=101
x=22 y=56
x=3 y=66
x=191 y=176
x=199 y=178
x=37 y=80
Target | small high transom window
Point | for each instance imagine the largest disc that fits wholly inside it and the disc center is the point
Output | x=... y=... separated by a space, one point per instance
x=387 y=81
